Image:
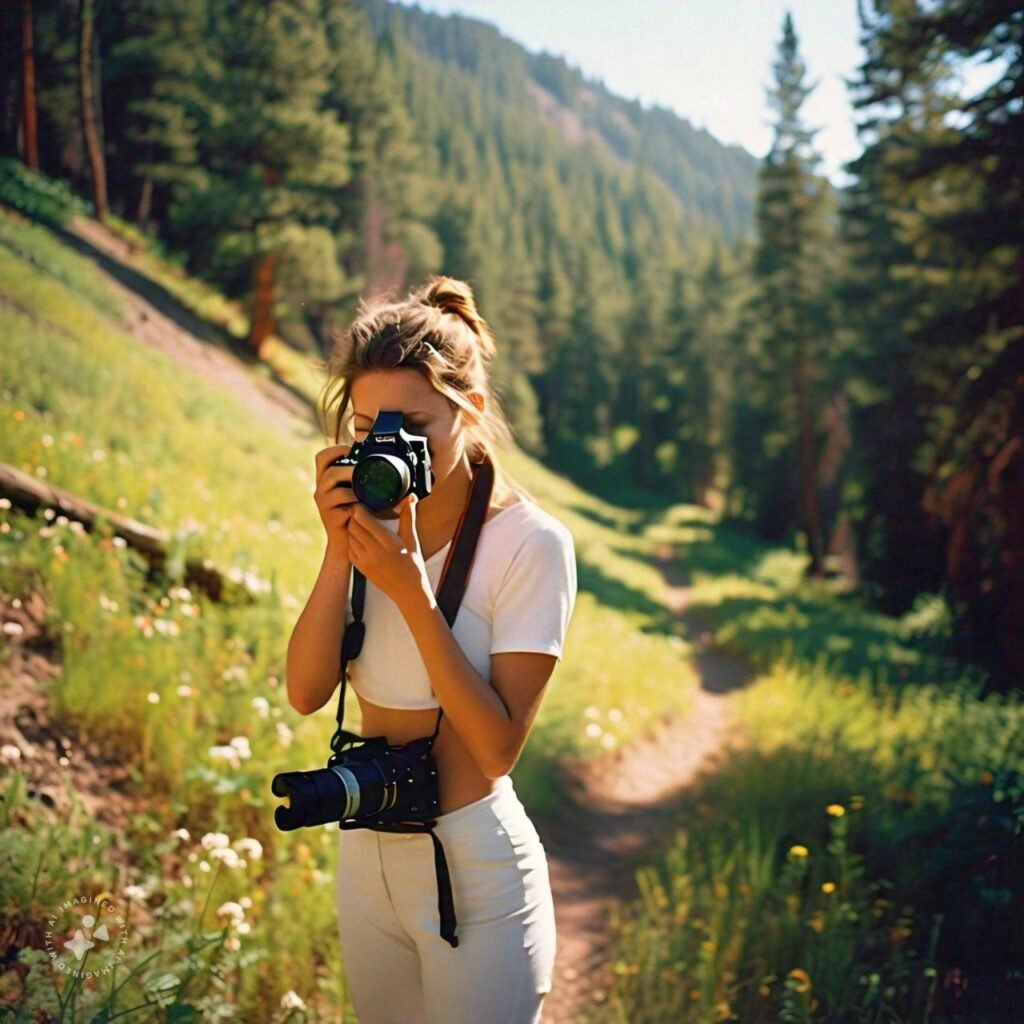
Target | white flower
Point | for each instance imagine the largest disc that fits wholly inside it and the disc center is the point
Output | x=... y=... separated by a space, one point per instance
x=181 y=833
x=229 y=754
x=284 y=734
x=233 y=910
x=594 y=730
x=9 y=752
x=228 y=856
x=13 y=628
x=245 y=901
x=233 y=944
x=591 y=712
x=615 y=715
x=290 y=1001
x=608 y=741
x=204 y=865
x=244 y=928
x=153 y=698
x=47 y=440
x=262 y=706
x=241 y=744
x=252 y=848
x=184 y=690
x=168 y=627
x=215 y=840
x=136 y=892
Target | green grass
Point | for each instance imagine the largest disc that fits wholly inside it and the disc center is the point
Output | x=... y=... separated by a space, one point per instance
x=861 y=849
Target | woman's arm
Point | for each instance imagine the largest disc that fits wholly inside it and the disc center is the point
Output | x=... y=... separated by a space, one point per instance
x=493 y=719
x=314 y=650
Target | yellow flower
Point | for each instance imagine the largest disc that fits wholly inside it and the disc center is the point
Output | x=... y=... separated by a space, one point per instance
x=828 y=886
x=801 y=979
x=836 y=810
x=798 y=851
x=817 y=922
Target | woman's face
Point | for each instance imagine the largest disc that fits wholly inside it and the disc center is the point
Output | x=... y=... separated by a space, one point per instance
x=426 y=412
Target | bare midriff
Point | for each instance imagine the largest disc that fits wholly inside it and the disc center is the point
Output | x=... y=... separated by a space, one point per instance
x=460 y=780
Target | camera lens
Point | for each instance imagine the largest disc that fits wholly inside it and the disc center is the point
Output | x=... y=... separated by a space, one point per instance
x=381 y=481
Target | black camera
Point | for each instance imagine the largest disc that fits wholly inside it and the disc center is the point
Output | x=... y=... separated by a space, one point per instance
x=389 y=464
x=370 y=780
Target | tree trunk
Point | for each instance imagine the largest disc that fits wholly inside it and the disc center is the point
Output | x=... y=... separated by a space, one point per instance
x=28 y=89
x=262 y=325
x=809 y=505
x=90 y=129
x=145 y=203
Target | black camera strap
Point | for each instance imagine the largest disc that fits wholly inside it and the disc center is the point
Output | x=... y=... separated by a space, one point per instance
x=452 y=587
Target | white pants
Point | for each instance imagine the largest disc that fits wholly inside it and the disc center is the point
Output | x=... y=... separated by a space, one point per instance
x=399 y=969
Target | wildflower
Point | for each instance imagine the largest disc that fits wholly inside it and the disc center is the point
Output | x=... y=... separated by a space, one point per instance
x=181 y=833
x=284 y=734
x=215 y=840
x=153 y=698
x=228 y=856
x=828 y=887
x=591 y=712
x=608 y=741
x=836 y=810
x=184 y=690
x=615 y=715
x=290 y=1001
x=800 y=980
x=233 y=910
x=594 y=730
x=798 y=851
x=262 y=706
x=241 y=744
x=817 y=922
x=252 y=848
x=9 y=752
x=135 y=892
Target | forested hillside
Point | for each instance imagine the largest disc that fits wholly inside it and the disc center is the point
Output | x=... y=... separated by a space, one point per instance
x=839 y=371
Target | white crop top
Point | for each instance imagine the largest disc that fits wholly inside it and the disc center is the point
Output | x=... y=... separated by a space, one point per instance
x=520 y=596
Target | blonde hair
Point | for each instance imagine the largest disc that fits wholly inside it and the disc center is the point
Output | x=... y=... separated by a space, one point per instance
x=438 y=332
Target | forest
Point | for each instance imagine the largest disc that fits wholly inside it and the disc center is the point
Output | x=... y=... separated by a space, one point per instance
x=835 y=373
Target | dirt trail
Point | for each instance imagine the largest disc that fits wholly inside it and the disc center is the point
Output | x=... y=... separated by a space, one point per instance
x=624 y=811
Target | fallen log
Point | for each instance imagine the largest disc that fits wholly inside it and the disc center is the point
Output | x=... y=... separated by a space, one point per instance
x=32 y=495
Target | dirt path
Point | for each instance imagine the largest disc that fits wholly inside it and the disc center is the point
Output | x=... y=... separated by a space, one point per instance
x=624 y=811
x=154 y=316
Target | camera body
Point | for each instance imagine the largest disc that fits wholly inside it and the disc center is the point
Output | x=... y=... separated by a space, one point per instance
x=365 y=780
x=389 y=464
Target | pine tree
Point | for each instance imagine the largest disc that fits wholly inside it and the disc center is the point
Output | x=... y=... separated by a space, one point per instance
x=792 y=232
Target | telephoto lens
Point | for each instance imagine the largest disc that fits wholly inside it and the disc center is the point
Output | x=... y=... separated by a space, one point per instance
x=329 y=794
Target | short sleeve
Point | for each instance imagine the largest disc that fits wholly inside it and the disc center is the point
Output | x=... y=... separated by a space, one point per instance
x=535 y=598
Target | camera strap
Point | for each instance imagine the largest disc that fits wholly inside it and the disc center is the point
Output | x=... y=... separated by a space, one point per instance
x=452 y=587
x=450 y=591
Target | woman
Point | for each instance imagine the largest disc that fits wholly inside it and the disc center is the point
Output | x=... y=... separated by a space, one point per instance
x=425 y=358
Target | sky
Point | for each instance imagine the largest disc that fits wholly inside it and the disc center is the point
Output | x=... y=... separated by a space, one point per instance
x=707 y=60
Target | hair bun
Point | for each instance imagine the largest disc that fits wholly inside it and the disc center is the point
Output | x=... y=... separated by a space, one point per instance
x=450 y=295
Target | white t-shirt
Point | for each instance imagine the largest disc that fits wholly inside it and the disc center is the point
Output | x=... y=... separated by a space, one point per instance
x=520 y=596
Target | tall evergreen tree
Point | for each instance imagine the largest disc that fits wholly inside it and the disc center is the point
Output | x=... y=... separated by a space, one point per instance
x=959 y=193
x=792 y=235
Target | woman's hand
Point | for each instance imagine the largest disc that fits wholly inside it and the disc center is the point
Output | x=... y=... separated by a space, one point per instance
x=334 y=498
x=391 y=562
